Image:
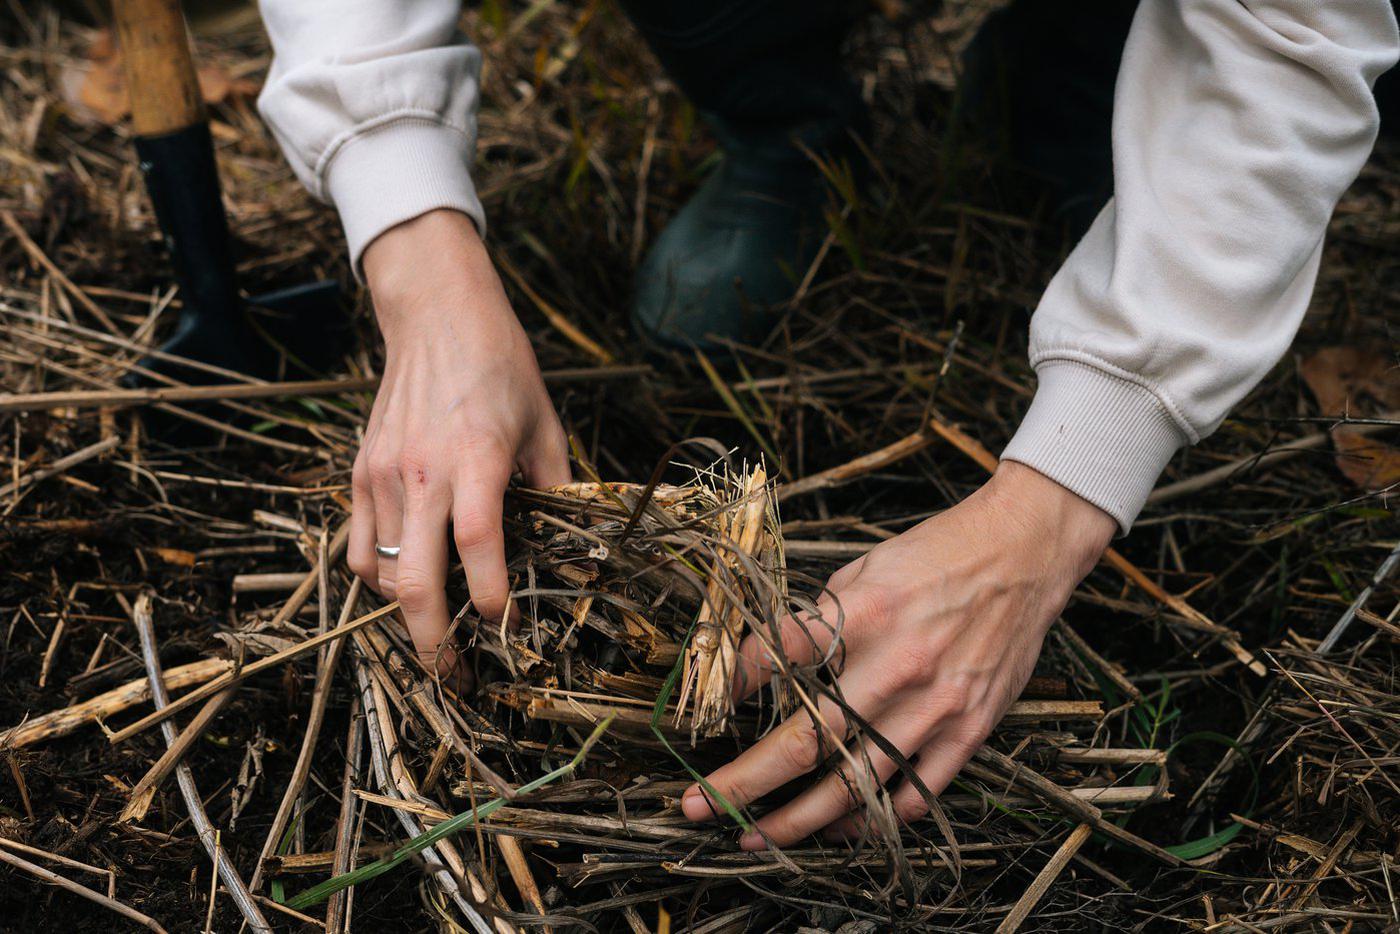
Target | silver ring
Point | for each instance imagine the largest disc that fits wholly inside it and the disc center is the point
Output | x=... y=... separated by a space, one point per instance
x=387 y=551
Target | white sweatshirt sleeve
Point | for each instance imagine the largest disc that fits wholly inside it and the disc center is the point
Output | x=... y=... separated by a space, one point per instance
x=374 y=103
x=1237 y=126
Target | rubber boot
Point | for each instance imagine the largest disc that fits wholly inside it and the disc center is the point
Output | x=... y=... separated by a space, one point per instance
x=766 y=76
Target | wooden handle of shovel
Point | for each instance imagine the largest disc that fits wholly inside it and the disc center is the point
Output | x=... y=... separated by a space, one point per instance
x=159 y=66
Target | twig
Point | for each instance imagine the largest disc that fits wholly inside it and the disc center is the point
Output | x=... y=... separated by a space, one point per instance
x=145 y=790
x=60 y=465
x=38 y=255
x=1067 y=803
x=111 y=904
x=228 y=679
x=337 y=908
x=325 y=674
x=1227 y=471
x=1044 y=879
x=223 y=866
x=116 y=398
x=62 y=722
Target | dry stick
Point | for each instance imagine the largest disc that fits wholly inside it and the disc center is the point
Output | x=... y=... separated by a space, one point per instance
x=561 y=323
x=1110 y=670
x=63 y=861
x=124 y=344
x=519 y=869
x=1258 y=720
x=239 y=676
x=111 y=398
x=1191 y=617
x=223 y=866
x=54 y=878
x=866 y=463
x=69 y=719
x=60 y=465
x=38 y=255
x=1288 y=451
x=145 y=790
x=321 y=695
x=434 y=856
x=1067 y=802
x=336 y=915
x=1047 y=876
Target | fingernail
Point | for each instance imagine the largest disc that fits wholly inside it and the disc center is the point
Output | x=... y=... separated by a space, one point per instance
x=694 y=804
x=753 y=840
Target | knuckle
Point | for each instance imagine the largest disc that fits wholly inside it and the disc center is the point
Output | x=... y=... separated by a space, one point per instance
x=412 y=467
x=364 y=568
x=414 y=588
x=473 y=530
x=801 y=746
x=914 y=665
x=910 y=807
x=948 y=702
x=381 y=471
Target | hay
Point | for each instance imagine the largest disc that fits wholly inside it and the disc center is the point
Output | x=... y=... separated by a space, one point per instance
x=1144 y=740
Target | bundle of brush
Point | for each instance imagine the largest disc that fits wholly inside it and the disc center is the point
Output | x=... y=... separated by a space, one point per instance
x=666 y=575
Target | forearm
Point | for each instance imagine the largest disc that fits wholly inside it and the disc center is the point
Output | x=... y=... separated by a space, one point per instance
x=1237 y=126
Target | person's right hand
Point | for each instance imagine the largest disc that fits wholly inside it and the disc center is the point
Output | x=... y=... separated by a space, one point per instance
x=460 y=408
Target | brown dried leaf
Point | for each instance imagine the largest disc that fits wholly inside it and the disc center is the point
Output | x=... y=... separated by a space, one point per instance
x=1344 y=380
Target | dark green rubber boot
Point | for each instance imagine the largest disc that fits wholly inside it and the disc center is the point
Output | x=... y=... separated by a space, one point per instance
x=739 y=247
x=767 y=75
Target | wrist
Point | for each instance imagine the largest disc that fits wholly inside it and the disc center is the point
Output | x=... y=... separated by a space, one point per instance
x=1065 y=522
x=429 y=268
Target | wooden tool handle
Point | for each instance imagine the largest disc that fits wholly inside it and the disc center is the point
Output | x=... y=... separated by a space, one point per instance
x=159 y=67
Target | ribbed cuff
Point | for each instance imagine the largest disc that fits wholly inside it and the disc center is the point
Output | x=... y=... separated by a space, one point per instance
x=395 y=172
x=1103 y=437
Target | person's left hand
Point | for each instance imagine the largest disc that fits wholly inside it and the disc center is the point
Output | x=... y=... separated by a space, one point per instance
x=941 y=632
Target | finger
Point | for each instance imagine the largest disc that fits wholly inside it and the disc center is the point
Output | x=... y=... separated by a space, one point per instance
x=386 y=486
x=476 y=530
x=939 y=761
x=805 y=638
x=422 y=578
x=360 y=549
x=546 y=464
x=794 y=748
x=837 y=794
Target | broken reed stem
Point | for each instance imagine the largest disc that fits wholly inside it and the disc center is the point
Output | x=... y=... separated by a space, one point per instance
x=62 y=722
x=337 y=906
x=119 y=398
x=1044 y=879
x=1066 y=802
x=41 y=258
x=144 y=792
x=746 y=528
x=230 y=678
x=325 y=675
x=60 y=465
x=208 y=835
x=1242 y=465
x=82 y=891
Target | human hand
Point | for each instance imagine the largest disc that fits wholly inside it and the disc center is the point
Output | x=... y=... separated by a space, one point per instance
x=941 y=632
x=461 y=407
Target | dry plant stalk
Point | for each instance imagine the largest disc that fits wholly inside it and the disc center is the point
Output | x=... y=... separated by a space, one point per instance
x=748 y=528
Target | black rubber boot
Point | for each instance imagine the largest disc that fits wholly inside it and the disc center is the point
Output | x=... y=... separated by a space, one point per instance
x=767 y=77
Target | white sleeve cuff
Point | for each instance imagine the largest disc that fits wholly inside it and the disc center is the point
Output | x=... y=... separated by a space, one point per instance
x=395 y=171
x=1099 y=435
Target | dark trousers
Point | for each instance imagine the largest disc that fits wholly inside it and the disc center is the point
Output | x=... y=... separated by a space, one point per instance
x=1039 y=78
